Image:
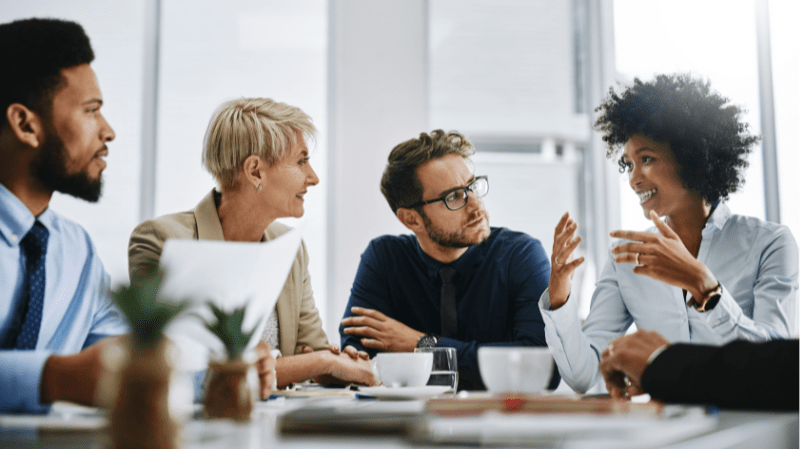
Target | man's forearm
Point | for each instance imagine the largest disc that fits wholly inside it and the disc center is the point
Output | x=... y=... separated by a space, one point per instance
x=20 y=380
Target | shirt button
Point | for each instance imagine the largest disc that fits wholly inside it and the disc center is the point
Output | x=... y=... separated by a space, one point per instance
x=14 y=238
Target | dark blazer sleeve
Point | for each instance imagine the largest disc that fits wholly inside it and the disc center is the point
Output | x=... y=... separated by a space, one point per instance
x=740 y=374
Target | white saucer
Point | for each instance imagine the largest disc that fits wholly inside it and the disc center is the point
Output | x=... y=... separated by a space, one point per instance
x=427 y=391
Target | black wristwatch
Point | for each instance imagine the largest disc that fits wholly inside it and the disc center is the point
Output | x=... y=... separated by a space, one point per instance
x=709 y=301
x=427 y=341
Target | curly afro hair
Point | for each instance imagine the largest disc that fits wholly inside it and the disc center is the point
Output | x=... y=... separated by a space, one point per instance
x=710 y=142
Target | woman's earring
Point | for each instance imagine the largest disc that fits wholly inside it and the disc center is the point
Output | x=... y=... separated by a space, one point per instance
x=259 y=187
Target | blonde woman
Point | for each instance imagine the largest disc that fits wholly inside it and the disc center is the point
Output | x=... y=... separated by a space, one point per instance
x=255 y=148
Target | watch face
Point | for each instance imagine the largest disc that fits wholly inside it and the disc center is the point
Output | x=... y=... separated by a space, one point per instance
x=427 y=341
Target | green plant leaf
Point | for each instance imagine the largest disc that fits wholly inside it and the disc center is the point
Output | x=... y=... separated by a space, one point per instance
x=146 y=312
x=228 y=328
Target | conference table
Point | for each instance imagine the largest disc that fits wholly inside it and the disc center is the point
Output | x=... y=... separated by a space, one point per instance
x=354 y=421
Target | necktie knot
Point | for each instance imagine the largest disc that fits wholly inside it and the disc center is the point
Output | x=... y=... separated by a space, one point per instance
x=35 y=241
x=446 y=273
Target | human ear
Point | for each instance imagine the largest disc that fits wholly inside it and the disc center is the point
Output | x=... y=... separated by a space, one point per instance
x=253 y=170
x=25 y=124
x=411 y=219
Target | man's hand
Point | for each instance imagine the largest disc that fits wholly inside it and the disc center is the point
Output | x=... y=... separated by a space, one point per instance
x=265 y=366
x=342 y=369
x=381 y=332
x=562 y=264
x=74 y=378
x=624 y=361
x=664 y=258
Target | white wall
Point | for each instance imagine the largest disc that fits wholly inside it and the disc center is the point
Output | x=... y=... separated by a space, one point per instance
x=378 y=98
x=504 y=68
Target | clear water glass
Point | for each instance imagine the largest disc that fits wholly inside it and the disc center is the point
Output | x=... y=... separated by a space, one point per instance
x=445 y=367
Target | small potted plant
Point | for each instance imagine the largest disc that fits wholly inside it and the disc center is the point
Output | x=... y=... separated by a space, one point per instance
x=140 y=414
x=231 y=383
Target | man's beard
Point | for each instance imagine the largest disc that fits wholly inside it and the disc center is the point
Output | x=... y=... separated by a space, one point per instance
x=50 y=168
x=452 y=239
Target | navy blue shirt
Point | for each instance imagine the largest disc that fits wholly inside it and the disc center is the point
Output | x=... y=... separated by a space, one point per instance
x=498 y=285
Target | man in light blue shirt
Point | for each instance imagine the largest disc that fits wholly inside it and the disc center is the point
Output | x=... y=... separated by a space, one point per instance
x=54 y=302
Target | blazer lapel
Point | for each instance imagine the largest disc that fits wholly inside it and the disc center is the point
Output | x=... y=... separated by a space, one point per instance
x=208 y=224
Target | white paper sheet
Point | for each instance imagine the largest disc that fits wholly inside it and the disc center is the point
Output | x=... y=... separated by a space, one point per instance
x=229 y=274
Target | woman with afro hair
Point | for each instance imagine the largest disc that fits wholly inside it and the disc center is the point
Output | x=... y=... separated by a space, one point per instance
x=701 y=274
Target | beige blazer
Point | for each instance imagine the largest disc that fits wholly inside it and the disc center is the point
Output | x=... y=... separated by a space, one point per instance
x=298 y=317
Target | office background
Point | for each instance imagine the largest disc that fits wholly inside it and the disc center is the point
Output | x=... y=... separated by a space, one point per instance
x=519 y=77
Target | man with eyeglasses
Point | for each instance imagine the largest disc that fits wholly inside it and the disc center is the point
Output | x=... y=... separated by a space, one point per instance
x=456 y=282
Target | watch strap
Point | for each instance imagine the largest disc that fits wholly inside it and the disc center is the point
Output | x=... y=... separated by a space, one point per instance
x=709 y=301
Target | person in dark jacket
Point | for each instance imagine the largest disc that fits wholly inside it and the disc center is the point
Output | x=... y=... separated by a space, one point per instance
x=740 y=374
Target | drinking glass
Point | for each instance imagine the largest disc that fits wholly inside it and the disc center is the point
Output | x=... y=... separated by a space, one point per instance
x=445 y=367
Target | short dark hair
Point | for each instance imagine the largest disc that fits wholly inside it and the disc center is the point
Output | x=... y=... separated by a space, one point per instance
x=33 y=52
x=399 y=183
x=710 y=141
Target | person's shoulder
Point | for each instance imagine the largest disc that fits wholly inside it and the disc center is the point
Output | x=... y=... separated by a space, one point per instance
x=505 y=236
x=754 y=223
x=68 y=229
x=392 y=247
x=177 y=225
x=388 y=241
x=754 y=228
x=504 y=243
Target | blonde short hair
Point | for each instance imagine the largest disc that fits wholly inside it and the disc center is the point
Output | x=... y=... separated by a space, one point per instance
x=251 y=126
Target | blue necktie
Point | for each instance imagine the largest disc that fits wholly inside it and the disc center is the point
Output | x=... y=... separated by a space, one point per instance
x=34 y=244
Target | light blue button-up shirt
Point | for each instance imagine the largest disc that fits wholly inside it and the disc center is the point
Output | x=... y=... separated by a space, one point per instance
x=77 y=310
x=755 y=261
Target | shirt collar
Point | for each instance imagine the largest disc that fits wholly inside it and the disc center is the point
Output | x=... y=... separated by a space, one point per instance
x=462 y=265
x=15 y=218
x=718 y=217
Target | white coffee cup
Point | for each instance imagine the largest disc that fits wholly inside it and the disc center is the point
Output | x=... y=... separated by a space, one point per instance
x=402 y=369
x=515 y=369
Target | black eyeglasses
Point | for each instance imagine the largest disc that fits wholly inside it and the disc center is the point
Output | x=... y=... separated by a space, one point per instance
x=457 y=198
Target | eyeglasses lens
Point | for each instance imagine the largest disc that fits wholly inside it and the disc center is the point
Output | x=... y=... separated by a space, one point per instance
x=480 y=187
x=458 y=199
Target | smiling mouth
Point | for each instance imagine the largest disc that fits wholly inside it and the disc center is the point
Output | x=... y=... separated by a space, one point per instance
x=646 y=195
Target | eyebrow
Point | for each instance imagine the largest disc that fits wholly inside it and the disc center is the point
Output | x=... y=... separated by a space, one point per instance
x=98 y=101
x=639 y=150
x=454 y=189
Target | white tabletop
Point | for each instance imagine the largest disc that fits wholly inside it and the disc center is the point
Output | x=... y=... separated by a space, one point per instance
x=727 y=428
